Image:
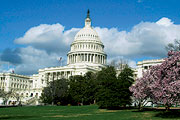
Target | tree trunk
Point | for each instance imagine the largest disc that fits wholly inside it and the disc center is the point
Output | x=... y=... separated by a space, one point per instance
x=167 y=107
x=140 y=106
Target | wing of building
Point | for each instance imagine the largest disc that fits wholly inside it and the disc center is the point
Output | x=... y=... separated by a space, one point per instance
x=143 y=66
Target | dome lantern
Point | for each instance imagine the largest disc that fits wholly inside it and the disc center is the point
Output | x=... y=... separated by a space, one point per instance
x=88 y=20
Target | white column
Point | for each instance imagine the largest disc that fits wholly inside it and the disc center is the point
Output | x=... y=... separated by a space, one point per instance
x=75 y=58
x=79 y=57
x=93 y=58
x=90 y=57
x=101 y=59
x=87 y=57
x=84 y=57
x=71 y=59
x=98 y=59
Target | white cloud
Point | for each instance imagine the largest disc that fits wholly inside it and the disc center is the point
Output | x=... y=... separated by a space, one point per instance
x=34 y=59
x=51 y=38
x=47 y=42
x=145 y=39
x=164 y=21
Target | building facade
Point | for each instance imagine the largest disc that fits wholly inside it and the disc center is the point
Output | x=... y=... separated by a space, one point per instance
x=143 y=66
x=86 y=54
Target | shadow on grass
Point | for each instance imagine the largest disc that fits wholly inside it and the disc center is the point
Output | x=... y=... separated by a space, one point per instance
x=17 y=117
x=118 y=108
x=146 y=109
x=162 y=113
x=169 y=114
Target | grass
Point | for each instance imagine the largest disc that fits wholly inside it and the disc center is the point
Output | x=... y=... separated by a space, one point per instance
x=77 y=113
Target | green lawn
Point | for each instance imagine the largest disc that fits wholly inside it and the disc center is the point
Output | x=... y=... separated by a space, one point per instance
x=74 y=113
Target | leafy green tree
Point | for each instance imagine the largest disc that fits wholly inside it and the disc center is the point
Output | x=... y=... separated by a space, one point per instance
x=82 y=88
x=107 y=95
x=76 y=89
x=56 y=92
x=90 y=88
x=114 y=92
x=125 y=80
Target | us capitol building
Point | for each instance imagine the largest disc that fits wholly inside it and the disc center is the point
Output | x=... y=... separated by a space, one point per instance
x=86 y=54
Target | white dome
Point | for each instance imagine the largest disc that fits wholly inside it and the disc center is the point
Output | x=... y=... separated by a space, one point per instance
x=87 y=47
x=87 y=33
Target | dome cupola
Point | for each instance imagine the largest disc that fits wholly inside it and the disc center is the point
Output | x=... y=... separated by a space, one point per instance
x=87 y=46
x=87 y=33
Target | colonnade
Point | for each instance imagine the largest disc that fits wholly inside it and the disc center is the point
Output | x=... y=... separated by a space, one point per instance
x=86 y=57
x=57 y=75
x=93 y=47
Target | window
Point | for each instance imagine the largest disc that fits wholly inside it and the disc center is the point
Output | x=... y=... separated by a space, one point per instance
x=145 y=67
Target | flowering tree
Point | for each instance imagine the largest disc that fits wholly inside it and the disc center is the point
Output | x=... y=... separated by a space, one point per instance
x=161 y=83
x=166 y=80
x=141 y=90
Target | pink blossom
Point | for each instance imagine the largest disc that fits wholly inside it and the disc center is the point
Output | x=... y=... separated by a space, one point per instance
x=161 y=83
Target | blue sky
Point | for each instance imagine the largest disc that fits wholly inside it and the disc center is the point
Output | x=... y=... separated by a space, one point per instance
x=19 y=16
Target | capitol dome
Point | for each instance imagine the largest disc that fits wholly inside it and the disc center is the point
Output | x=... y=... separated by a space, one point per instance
x=87 y=46
x=87 y=33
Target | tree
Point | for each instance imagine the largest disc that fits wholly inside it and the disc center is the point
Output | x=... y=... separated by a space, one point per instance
x=166 y=80
x=59 y=90
x=76 y=89
x=162 y=82
x=5 y=95
x=90 y=87
x=16 y=95
x=141 y=91
x=82 y=88
x=173 y=46
x=125 y=80
x=119 y=64
x=108 y=95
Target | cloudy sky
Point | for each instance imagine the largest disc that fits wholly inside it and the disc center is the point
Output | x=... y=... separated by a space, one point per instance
x=33 y=34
